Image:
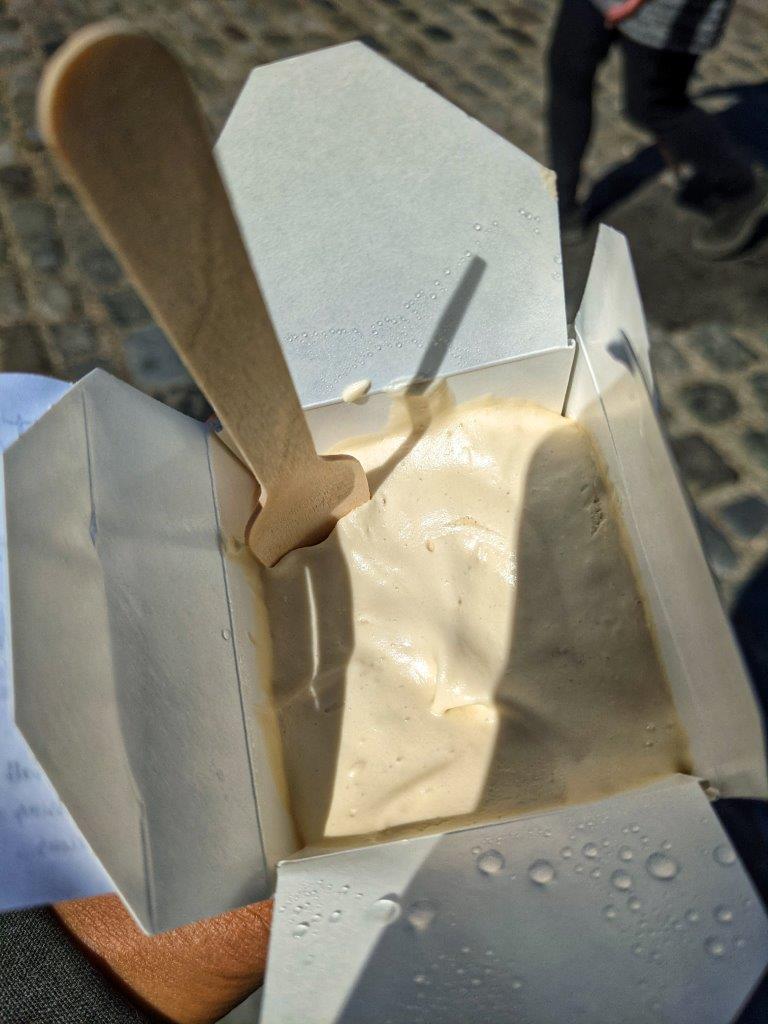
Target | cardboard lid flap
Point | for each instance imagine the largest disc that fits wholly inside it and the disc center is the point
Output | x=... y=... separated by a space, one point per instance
x=124 y=669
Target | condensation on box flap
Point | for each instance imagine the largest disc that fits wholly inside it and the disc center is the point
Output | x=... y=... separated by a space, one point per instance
x=610 y=395
x=384 y=223
x=125 y=676
x=634 y=908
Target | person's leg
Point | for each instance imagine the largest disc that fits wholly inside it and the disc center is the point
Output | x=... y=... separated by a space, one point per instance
x=656 y=92
x=656 y=98
x=579 y=44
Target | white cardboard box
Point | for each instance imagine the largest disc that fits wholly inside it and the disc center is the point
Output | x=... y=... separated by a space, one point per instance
x=393 y=236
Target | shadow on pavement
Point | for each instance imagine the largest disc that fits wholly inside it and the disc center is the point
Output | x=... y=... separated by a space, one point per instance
x=746 y=120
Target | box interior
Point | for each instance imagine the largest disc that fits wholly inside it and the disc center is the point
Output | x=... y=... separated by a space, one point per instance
x=710 y=690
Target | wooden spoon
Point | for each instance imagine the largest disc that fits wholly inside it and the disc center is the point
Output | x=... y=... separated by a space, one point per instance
x=118 y=113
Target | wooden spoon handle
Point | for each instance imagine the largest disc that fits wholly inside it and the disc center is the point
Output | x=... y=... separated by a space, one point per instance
x=119 y=114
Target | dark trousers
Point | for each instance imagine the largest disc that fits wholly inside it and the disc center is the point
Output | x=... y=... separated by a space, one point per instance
x=655 y=98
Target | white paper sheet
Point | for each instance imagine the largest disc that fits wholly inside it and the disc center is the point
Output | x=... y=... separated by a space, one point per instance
x=43 y=856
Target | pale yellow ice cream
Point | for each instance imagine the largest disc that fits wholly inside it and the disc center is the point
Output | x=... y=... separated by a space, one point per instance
x=471 y=642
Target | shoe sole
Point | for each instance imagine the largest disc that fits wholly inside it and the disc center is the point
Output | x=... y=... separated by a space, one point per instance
x=740 y=242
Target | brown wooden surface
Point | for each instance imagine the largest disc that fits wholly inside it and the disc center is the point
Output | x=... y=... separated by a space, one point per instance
x=117 y=111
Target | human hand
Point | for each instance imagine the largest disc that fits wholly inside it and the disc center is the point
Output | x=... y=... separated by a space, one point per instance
x=191 y=975
x=618 y=12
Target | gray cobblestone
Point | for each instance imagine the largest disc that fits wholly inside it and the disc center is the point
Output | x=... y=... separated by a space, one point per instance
x=35 y=225
x=8 y=153
x=76 y=342
x=702 y=466
x=152 y=363
x=125 y=308
x=665 y=357
x=17 y=181
x=747 y=516
x=756 y=443
x=23 y=97
x=720 y=554
x=12 y=304
x=13 y=47
x=710 y=403
x=100 y=266
x=51 y=300
x=22 y=349
x=760 y=387
x=719 y=346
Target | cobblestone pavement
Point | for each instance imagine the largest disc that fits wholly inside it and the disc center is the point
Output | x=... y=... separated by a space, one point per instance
x=66 y=307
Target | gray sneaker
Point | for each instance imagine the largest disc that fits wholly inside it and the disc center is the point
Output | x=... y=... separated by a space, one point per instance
x=735 y=222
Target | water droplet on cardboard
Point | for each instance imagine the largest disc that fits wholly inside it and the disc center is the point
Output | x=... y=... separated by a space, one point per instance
x=421 y=914
x=490 y=863
x=715 y=947
x=541 y=872
x=621 y=880
x=662 y=867
x=724 y=855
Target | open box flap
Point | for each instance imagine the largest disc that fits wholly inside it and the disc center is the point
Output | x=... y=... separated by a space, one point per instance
x=45 y=858
x=610 y=394
x=386 y=226
x=634 y=908
x=124 y=670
